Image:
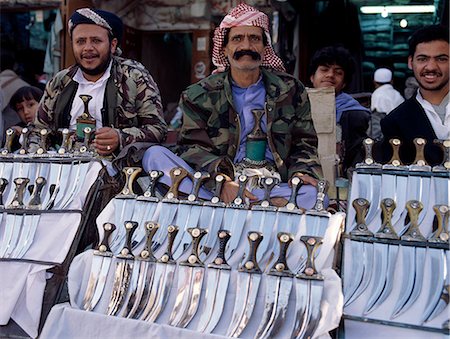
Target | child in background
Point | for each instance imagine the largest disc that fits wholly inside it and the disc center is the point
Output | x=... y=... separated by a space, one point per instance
x=25 y=102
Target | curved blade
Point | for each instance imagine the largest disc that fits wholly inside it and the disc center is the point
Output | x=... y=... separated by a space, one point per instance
x=155 y=288
x=234 y=220
x=438 y=275
x=356 y=273
x=163 y=296
x=146 y=292
x=408 y=274
x=26 y=238
x=122 y=277
x=181 y=244
x=266 y=225
x=314 y=308
x=101 y=282
x=245 y=302
x=380 y=273
x=392 y=258
x=143 y=212
x=181 y=301
x=14 y=235
x=418 y=281
x=270 y=305
x=219 y=301
x=166 y=216
x=93 y=279
x=194 y=296
x=74 y=180
x=302 y=304
x=135 y=289
x=375 y=188
x=212 y=222
x=212 y=282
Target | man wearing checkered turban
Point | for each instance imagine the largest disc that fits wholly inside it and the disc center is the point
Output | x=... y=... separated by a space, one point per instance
x=220 y=118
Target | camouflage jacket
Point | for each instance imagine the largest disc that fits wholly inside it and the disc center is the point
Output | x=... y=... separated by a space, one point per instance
x=209 y=136
x=132 y=102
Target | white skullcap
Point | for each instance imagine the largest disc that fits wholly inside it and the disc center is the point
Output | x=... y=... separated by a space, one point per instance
x=382 y=75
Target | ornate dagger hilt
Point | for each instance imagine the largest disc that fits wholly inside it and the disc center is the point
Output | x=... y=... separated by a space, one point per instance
x=268 y=184
x=21 y=185
x=280 y=267
x=445 y=146
x=86 y=98
x=154 y=177
x=130 y=227
x=130 y=175
x=322 y=188
x=35 y=199
x=395 y=159
x=256 y=139
x=441 y=235
x=167 y=257
x=386 y=230
x=312 y=244
x=368 y=148
x=361 y=207
x=251 y=265
x=103 y=248
x=43 y=135
x=239 y=201
x=3 y=184
x=87 y=133
x=65 y=147
x=219 y=181
x=10 y=134
x=220 y=261
x=147 y=253
x=296 y=183
x=414 y=207
x=177 y=175
x=419 y=144
x=197 y=180
x=194 y=259
x=25 y=135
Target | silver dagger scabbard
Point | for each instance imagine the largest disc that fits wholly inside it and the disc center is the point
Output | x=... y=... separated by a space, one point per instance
x=249 y=278
x=124 y=269
x=100 y=263
x=218 y=277
x=278 y=289
x=309 y=289
x=190 y=281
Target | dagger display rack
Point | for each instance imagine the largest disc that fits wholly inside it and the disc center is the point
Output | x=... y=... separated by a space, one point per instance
x=396 y=247
x=204 y=265
x=42 y=197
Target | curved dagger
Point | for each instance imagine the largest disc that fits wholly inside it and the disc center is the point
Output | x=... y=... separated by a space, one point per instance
x=140 y=288
x=101 y=256
x=441 y=175
x=360 y=272
x=65 y=142
x=439 y=272
x=162 y=281
x=309 y=288
x=278 y=289
x=10 y=134
x=124 y=270
x=216 y=287
x=413 y=261
x=190 y=280
x=249 y=278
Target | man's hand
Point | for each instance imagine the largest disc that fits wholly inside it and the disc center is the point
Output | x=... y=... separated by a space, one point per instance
x=307 y=180
x=106 y=140
x=230 y=190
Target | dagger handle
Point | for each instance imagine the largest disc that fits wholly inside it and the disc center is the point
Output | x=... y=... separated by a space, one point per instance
x=251 y=265
x=108 y=229
x=445 y=146
x=194 y=259
x=167 y=257
x=10 y=134
x=386 y=230
x=368 y=147
x=296 y=183
x=257 y=132
x=322 y=188
x=65 y=140
x=268 y=184
x=3 y=184
x=419 y=144
x=43 y=134
x=21 y=185
x=147 y=253
x=197 y=180
x=35 y=199
x=224 y=236
x=177 y=175
x=154 y=177
x=395 y=160
x=281 y=267
x=414 y=207
x=87 y=131
x=441 y=234
x=312 y=244
x=219 y=181
x=130 y=175
x=361 y=207
x=130 y=227
x=25 y=134
x=242 y=180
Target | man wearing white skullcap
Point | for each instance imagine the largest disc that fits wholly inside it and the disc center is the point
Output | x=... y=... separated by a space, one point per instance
x=385 y=97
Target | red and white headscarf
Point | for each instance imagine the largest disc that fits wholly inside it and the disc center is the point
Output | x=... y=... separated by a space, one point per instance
x=244 y=15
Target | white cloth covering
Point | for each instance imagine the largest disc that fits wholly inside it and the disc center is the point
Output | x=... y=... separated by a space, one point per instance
x=385 y=98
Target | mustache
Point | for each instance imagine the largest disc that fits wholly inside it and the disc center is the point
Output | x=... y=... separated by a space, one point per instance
x=238 y=54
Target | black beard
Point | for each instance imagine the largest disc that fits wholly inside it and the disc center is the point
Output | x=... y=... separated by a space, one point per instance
x=238 y=54
x=100 y=69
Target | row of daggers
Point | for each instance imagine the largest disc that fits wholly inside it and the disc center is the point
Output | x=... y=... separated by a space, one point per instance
x=142 y=284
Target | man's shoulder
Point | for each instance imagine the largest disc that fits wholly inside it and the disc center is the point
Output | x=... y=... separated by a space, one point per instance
x=129 y=65
x=214 y=82
x=404 y=109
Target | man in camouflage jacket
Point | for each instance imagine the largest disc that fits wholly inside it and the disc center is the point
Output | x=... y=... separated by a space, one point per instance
x=130 y=109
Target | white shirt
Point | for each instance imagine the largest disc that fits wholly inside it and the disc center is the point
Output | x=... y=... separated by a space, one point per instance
x=385 y=98
x=96 y=90
x=442 y=130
